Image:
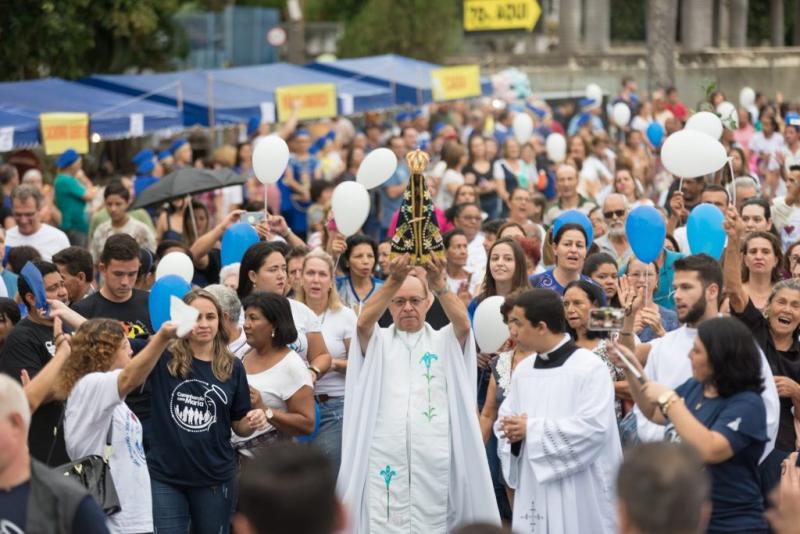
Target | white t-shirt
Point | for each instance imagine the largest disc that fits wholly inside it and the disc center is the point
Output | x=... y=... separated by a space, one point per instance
x=239 y=346
x=305 y=321
x=337 y=326
x=91 y=405
x=281 y=381
x=476 y=254
x=48 y=240
x=444 y=198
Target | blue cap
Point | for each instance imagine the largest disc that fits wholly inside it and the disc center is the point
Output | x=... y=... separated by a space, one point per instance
x=252 y=125
x=177 y=144
x=586 y=102
x=67 y=158
x=302 y=132
x=145 y=167
x=538 y=111
x=584 y=118
x=403 y=116
x=417 y=113
x=164 y=154
x=142 y=156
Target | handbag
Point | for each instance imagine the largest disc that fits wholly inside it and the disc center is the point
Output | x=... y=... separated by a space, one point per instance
x=93 y=473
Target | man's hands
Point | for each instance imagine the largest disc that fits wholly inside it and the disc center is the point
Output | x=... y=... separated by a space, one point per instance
x=733 y=225
x=677 y=206
x=514 y=428
x=399 y=268
x=435 y=270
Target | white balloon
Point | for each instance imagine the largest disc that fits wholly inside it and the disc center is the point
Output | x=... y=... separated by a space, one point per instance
x=706 y=122
x=176 y=263
x=350 y=205
x=747 y=97
x=621 y=114
x=270 y=158
x=556 y=146
x=728 y=115
x=594 y=92
x=377 y=167
x=523 y=127
x=490 y=330
x=690 y=154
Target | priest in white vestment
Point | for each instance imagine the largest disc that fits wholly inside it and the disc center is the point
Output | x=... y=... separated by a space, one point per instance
x=558 y=440
x=412 y=456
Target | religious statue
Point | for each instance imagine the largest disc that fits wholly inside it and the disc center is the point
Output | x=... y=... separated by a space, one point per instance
x=417 y=232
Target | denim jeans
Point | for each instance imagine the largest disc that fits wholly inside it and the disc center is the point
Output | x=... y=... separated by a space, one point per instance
x=329 y=439
x=207 y=510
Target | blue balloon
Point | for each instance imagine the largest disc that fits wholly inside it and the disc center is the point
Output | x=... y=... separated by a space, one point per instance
x=158 y=301
x=311 y=437
x=646 y=231
x=235 y=242
x=576 y=217
x=705 y=232
x=655 y=133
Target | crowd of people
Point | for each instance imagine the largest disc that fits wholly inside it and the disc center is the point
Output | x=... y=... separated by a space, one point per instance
x=332 y=385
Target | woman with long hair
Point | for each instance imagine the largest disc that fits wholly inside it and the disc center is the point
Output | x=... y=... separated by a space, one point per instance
x=626 y=184
x=652 y=320
x=358 y=262
x=279 y=381
x=201 y=221
x=570 y=253
x=603 y=270
x=199 y=398
x=512 y=172
x=761 y=262
x=264 y=269
x=478 y=171
x=580 y=297
x=170 y=222
x=455 y=157
x=506 y=271
x=338 y=325
x=718 y=411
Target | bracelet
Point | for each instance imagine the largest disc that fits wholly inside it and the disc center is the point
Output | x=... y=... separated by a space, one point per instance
x=668 y=404
x=626 y=333
x=314 y=370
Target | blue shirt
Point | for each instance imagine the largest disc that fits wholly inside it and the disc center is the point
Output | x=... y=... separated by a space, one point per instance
x=737 y=504
x=140 y=183
x=669 y=320
x=388 y=205
x=10 y=279
x=546 y=280
x=348 y=296
x=664 y=295
x=192 y=418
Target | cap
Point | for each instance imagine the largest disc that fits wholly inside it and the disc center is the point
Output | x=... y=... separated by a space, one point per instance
x=145 y=167
x=177 y=144
x=67 y=158
x=302 y=132
x=142 y=156
x=403 y=116
x=164 y=154
x=252 y=125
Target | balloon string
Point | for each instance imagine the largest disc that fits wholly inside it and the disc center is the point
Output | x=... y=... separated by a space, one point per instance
x=733 y=182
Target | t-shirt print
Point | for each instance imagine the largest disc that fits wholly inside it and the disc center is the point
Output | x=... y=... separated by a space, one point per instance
x=193 y=405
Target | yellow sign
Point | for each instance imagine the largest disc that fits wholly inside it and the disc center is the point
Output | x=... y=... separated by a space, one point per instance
x=483 y=15
x=61 y=131
x=313 y=101
x=453 y=83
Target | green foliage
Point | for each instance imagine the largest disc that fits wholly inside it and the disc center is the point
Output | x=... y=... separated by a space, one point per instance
x=759 y=27
x=72 y=38
x=628 y=20
x=415 y=28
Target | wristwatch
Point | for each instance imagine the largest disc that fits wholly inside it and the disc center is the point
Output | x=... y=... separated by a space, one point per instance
x=665 y=400
x=269 y=414
x=315 y=370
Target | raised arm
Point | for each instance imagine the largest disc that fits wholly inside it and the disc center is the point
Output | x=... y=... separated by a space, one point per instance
x=453 y=306
x=135 y=372
x=647 y=407
x=376 y=306
x=632 y=301
x=732 y=265
x=40 y=389
x=203 y=245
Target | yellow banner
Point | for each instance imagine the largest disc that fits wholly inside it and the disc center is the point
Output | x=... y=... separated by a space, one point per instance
x=61 y=131
x=313 y=101
x=453 y=83
x=483 y=15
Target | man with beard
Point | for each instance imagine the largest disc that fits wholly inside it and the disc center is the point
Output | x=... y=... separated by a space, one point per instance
x=615 y=242
x=697 y=285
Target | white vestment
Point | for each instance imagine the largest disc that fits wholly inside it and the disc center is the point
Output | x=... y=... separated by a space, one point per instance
x=565 y=470
x=412 y=455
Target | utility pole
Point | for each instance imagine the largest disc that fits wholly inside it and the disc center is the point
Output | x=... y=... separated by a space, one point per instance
x=296 y=32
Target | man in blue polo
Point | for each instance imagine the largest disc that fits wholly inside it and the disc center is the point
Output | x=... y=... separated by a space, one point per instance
x=72 y=190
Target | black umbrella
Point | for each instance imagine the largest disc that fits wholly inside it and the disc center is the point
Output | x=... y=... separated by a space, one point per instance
x=186 y=181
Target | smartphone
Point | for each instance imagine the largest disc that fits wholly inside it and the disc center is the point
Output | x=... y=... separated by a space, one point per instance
x=332 y=225
x=606 y=319
x=253 y=217
x=632 y=368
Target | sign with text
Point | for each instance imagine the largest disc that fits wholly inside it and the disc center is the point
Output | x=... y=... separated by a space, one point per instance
x=488 y=15
x=313 y=101
x=453 y=83
x=61 y=131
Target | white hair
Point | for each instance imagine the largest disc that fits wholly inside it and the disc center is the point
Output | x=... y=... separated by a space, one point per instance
x=13 y=399
x=31 y=175
x=229 y=270
x=228 y=300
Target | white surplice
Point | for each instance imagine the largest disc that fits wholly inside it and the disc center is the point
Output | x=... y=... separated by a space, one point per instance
x=412 y=455
x=565 y=471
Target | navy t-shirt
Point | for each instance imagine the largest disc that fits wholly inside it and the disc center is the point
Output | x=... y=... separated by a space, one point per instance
x=546 y=280
x=89 y=519
x=737 y=503
x=191 y=423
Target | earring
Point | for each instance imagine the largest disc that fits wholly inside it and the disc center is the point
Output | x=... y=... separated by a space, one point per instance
x=273 y=332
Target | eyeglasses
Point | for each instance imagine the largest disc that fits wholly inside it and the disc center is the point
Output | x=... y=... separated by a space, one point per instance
x=415 y=302
x=612 y=214
x=638 y=276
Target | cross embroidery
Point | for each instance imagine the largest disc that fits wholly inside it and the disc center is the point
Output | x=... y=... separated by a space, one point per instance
x=532 y=517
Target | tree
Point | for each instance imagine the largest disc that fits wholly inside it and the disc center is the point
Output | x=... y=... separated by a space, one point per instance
x=662 y=17
x=72 y=38
x=416 y=28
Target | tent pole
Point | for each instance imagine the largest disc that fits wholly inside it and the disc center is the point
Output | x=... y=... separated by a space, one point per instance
x=210 y=80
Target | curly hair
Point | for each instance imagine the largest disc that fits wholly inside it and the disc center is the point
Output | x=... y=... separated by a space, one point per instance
x=182 y=354
x=94 y=348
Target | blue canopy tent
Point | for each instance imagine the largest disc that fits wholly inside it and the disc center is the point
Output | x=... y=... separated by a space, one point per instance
x=110 y=114
x=204 y=98
x=354 y=96
x=408 y=79
x=24 y=125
